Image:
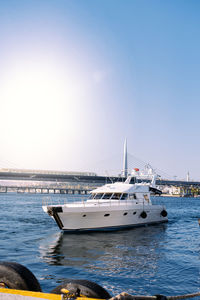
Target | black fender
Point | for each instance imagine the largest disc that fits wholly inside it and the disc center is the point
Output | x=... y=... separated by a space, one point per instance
x=79 y=287
x=16 y=276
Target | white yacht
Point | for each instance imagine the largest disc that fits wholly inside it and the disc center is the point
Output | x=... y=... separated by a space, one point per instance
x=112 y=206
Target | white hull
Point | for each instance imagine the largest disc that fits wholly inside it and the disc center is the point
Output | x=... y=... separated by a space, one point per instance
x=107 y=217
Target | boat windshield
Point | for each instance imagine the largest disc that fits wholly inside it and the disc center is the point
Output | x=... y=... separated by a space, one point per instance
x=107 y=195
x=98 y=196
x=124 y=196
x=116 y=196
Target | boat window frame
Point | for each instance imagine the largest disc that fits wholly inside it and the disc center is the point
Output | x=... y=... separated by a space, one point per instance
x=128 y=196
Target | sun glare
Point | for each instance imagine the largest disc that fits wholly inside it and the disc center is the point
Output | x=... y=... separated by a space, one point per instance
x=39 y=105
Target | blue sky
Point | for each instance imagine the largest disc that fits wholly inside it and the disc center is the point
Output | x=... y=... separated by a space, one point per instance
x=77 y=77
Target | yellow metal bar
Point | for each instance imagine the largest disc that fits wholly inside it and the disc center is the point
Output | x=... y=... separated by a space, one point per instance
x=85 y=298
x=82 y=297
x=31 y=294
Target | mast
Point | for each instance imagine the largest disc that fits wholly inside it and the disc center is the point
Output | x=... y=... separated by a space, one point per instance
x=188 y=176
x=125 y=160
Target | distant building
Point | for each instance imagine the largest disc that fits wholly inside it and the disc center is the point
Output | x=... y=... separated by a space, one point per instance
x=172 y=190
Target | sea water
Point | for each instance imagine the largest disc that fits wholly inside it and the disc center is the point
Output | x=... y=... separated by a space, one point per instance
x=149 y=260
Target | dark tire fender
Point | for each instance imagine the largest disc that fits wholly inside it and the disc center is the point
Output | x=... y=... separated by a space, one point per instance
x=86 y=288
x=16 y=276
x=143 y=214
x=163 y=213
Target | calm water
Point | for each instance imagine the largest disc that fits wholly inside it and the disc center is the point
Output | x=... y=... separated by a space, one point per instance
x=147 y=260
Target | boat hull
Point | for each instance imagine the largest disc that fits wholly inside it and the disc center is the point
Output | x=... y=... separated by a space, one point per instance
x=113 y=228
x=106 y=218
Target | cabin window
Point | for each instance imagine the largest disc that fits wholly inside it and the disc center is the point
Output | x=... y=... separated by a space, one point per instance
x=132 y=196
x=106 y=215
x=116 y=196
x=124 y=196
x=84 y=215
x=125 y=213
x=134 y=213
x=107 y=196
x=98 y=196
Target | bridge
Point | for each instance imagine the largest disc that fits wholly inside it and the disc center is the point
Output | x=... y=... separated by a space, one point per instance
x=39 y=181
x=30 y=181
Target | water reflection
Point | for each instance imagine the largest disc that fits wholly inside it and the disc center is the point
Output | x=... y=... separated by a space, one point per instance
x=108 y=253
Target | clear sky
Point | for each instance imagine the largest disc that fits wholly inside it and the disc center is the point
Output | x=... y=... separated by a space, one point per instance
x=78 y=76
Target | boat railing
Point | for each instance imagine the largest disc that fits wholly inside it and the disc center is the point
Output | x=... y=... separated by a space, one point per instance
x=49 y=201
x=85 y=202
